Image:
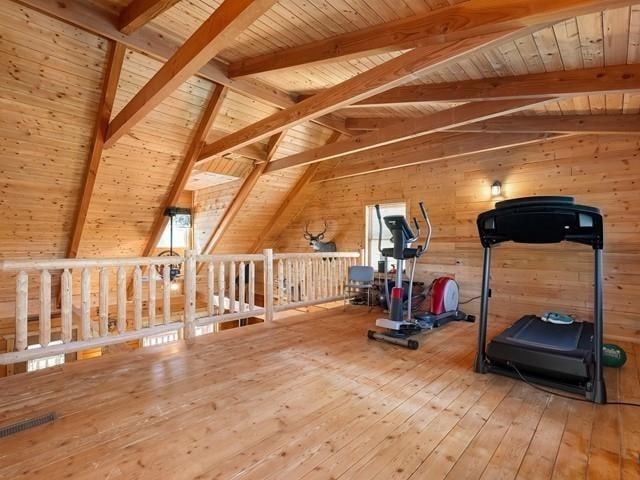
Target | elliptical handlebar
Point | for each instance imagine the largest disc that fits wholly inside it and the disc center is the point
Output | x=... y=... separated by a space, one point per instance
x=425 y=215
x=377 y=206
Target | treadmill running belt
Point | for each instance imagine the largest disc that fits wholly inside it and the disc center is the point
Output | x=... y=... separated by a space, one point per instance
x=532 y=331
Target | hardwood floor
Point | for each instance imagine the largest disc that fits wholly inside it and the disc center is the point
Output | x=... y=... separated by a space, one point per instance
x=310 y=397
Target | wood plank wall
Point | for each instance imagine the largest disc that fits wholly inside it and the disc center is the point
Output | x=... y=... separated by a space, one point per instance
x=599 y=171
x=211 y=203
x=50 y=76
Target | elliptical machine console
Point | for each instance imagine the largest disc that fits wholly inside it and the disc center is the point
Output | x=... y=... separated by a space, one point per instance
x=400 y=328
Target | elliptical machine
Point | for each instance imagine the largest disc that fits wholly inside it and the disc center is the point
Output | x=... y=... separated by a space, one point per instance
x=400 y=329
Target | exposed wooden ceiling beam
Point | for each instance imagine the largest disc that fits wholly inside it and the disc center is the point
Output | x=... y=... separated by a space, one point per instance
x=140 y=12
x=241 y=195
x=115 y=60
x=407 y=129
x=441 y=146
x=615 y=79
x=291 y=199
x=440 y=26
x=197 y=141
x=104 y=23
x=359 y=87
x=600 y=124
x=216 y=33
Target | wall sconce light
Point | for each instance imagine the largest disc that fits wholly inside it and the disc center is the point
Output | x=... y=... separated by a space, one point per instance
x=496 y=188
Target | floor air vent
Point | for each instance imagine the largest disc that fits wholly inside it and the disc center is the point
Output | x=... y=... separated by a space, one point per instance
x=27 y=424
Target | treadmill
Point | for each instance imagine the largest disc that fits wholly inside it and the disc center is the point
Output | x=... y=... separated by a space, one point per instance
x=567 y=357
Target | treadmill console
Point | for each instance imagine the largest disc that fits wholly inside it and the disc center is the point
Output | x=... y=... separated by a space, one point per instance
x=541 y=220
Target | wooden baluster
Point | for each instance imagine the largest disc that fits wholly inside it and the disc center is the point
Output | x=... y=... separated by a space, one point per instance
x=300 y=263
x=327 y=278
x=241 y=287
x=232 y=287
x=312 y=280
x=332 y=277
x=122 y=300
x=22 y=310
x=320 y=278
x=152 y=295
x=268 y=285
x=104 y=302
x=137 y=298
x=303 y=279
x=65 y=307
x=252 y=286
x=280 y=282
x=309 y=270
x=85 y=304
x=289 y=281
x=316 y=280
x=45 y=308
x=210 y=289
x=166 y=297
x=297 y=273
x=221 y=288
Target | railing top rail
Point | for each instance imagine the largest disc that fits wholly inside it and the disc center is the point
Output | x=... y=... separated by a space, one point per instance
x=74 y=263
x=10 y=265
x=248 y=257
x=282 y=256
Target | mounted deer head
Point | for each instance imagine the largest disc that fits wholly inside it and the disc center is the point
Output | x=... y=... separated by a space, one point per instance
x=316 y=240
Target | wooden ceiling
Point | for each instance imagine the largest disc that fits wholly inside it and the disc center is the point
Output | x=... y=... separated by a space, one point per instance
x=236 y=99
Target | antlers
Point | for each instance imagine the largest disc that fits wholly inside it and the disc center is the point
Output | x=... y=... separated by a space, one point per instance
x=308 y=235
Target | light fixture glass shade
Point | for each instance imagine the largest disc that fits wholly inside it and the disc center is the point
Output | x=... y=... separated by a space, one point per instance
x=496 y=188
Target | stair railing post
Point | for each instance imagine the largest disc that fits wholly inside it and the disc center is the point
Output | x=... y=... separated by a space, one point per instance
x=190 y=295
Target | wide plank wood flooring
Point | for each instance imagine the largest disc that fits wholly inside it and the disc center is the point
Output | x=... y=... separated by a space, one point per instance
x=310 y=397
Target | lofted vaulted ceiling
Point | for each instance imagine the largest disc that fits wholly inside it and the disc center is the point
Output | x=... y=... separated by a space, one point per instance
x=246 y=102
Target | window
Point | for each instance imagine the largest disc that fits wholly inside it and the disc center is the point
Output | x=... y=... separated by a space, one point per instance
x=44 y=362
x=160 y=339
x=180 y=237
x=205 y=329
x=372 y=229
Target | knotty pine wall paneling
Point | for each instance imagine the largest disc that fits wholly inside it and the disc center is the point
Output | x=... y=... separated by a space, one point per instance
x=603 y=171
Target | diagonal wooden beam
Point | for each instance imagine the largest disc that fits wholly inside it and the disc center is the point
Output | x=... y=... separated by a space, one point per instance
x=140 y=12
x=359 y=87
x=407 y=129
x=598 y=124
x=241 y=196
x=104 y=23
x=215 y=34
x=614 y=79
x=290 y=199
x=115 y=59
x=444 y=25
x=188 y=162
x=442 y=146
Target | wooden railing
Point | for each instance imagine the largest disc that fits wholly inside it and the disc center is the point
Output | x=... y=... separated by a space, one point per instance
x=230 y=287
x=309 y=278
x=216 y=288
